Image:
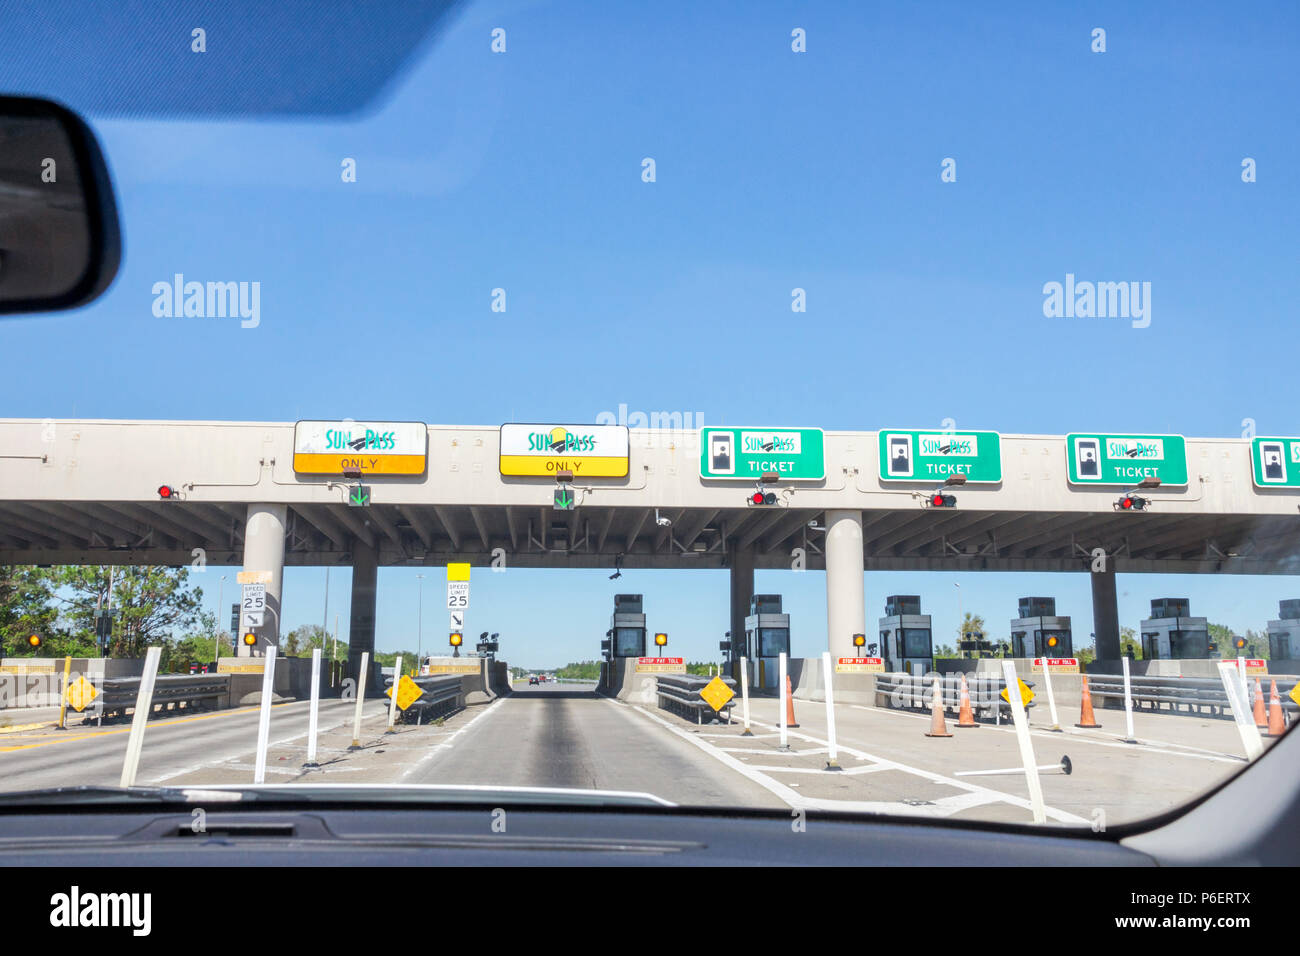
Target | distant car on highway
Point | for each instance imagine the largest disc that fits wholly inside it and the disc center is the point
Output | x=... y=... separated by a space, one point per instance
x=534 y=679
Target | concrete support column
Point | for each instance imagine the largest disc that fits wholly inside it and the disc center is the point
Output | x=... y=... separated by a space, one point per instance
x=846 y=612
x=1105 y=615
x=264 y=556
x=361 y=626
x=742 y=589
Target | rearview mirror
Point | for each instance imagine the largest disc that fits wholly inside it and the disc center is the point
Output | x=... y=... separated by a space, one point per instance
x=59 y=239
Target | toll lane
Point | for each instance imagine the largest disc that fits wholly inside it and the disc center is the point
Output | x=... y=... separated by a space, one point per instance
x=556 y=736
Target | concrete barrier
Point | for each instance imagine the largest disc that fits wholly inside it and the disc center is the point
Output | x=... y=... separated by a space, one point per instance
x=620 y=680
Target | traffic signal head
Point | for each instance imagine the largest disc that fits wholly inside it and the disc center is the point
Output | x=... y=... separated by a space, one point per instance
x=762 y=498
x=661 y=640
x=859 y=640
x=34 y=641
x=1239 y=643
x=1132 y=503
x=250 y=639
x=456 y=639
x=940 y=500
x=1052 y=641
x=166 y=492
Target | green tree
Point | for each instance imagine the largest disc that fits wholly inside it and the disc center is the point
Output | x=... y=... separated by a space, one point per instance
x=301 y=641
x=945 y=651
x=1128 y=641
x=152 y=603
x=26 y=608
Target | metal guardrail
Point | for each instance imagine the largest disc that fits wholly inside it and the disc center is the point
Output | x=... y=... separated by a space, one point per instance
x=171 y=692
x=1193 y=693
x=680 y=693
x=442 y=695
x=908 y=692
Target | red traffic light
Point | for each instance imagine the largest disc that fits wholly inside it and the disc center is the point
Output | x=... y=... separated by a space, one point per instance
x=1126 y=503
x=940 y=500
x=761 y=498
x=1132 y=503
x=166 y=492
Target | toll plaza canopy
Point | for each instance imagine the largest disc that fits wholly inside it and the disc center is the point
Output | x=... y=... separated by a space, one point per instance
x=407 y=493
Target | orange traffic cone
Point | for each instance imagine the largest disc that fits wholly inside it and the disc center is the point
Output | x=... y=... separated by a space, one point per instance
x=1276 y=726
x=965 y=717
x=789 y=703
x=937 y=727
x=1260 y=719
x=1086 y=719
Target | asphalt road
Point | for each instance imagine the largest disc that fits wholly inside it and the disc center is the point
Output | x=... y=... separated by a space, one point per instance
x=555 y=735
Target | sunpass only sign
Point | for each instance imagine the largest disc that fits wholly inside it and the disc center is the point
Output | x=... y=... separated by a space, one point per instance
x=1097 y=459
x=937 y=456
x=373 y=448
x=793 y=454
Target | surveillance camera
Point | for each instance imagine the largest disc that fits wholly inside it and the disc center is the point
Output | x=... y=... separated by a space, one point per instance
x=660 y=521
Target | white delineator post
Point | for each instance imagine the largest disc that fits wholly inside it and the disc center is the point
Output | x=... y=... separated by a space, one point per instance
x=264 y=714
x=744 y=694
x=1026 y=745
x=361 y=697
x=143 y=705
x=780 y=684
x=1051 y=698
x=312 y=722
x=832 y=754
x=1241 y=714
x=392 y=704
x=1128 y=702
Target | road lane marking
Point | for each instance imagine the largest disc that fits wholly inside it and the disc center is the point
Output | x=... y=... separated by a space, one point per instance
x=450 y=742
x=1083 y=737
x=169 y=722
x=978 y=794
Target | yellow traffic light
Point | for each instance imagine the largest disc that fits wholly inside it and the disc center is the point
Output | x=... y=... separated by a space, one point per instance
x=1051 y=641
x=859 y=640
x=1240 y=643
x=661 y=640
x=456 y=639
x=34 y=641
x=250 y=639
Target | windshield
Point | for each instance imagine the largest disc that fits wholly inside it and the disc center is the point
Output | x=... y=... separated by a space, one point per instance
x=469 y=351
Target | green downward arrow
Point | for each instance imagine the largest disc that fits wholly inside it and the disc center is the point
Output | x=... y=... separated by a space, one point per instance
x=563 y=500
x=360 y=496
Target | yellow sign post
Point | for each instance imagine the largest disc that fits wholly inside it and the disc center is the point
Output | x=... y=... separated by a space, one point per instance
x=717 y=694
x=1026 y=695
x=408 y=692
x=80 y=694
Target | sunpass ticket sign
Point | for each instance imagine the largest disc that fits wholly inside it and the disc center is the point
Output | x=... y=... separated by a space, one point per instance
x=1097 y=459
x=793 y=454
x=938 y=456
x=589 y=451
x=373 y=448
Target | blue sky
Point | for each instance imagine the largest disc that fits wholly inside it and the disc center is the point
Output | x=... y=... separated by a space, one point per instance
x=775 y=170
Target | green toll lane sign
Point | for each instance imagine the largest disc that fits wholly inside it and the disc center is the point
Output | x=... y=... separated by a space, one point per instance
x=1097 y=459
x=1275 y=462
x=927 y=456
x=794 y=454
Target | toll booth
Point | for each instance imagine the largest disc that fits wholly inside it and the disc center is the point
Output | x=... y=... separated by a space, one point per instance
x=767 y=636
x=1284 y=634
x=1171 y=633
x=626 y=634
x=1039 y=632
x=906 y=638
